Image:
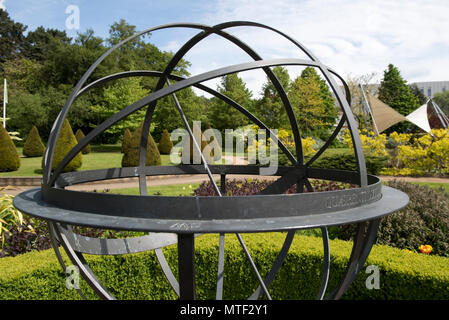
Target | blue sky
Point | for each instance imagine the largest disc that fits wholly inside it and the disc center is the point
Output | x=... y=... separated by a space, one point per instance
x=354 y=37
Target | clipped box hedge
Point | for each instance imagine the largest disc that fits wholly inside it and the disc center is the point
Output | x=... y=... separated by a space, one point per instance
x=403 y=275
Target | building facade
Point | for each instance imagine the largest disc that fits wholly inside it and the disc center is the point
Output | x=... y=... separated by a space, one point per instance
x=429 y=88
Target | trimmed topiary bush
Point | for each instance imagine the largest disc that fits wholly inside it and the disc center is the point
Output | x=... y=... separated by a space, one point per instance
x=126 y=140
x=9 y=157
x=79 y=135
x=165 y=144
x=131 y=156
x=66 y=141
x=33 y=146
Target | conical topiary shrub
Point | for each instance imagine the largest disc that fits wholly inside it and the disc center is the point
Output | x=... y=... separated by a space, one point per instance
x=33 y=147
x=79 y=135
x=9 y=157
x=131 y=156
x=66 y=141
x=165 y=144
x=126 y=140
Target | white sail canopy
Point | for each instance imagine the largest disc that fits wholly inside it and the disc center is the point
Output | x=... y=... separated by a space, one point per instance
x=419 y=118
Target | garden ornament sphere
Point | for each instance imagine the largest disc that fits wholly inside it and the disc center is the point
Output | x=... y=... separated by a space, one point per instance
x=178 y=220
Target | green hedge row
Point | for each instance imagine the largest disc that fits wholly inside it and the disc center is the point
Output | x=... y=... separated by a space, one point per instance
x=403 y=275
x=342 y=159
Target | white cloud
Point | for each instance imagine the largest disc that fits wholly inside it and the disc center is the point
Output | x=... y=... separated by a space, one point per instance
x=2 y=4
x=351 y=36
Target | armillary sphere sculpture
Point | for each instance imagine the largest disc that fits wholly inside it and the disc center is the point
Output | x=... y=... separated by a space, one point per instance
x=177 y=220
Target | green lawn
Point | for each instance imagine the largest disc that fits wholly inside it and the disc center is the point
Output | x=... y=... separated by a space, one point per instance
x=101 y=157
x=435 y=185
x=168 y=190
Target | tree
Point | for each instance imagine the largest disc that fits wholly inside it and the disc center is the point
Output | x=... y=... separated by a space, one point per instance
x=12 y=41
x=442 y=100
x=270 y=109
x=221 y=115
x=131 y=156
x=418 y=93
x=395 y=92
x=369 y=88
x=9 y=157
x=166 y=115
x=42 y=41
x=330 y=113
x=118 y=96
x=33 y=146
x=312 y=104
x=66 y=141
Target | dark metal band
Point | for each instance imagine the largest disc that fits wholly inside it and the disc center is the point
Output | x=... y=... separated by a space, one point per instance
x=207 y=208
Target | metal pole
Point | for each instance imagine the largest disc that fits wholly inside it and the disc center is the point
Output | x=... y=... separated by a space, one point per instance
x=4 y=103
x=186 y=266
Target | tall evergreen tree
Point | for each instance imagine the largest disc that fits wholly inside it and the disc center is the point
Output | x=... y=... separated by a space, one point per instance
x=270 y=108
x=221 y=115
x=395 y=92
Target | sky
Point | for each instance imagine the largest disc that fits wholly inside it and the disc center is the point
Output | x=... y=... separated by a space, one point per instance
x=353 y=37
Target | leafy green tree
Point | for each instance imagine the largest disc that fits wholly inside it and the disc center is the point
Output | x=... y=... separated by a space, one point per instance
x=221 y=115
x=26 y=110
x=42 y=41
x=118 y=96
x=166 y=115
x=33 y=146
x=312 y=104
x=442 y=100
x=270 y=108
x=395 y=92
x=13 y=43
x=9 y=157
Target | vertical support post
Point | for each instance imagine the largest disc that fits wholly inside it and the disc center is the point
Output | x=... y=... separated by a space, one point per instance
x=223 y=183
x=186 y=266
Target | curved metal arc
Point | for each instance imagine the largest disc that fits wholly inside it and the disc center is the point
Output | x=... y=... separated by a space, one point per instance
x=276 y=265
x=346 y=109
x=48 y=158
x=181 y=53
x=167 y=91
x=326 y=264
x=363 y=243
x=54 y=243
x=78 y=259
x=139 y=73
